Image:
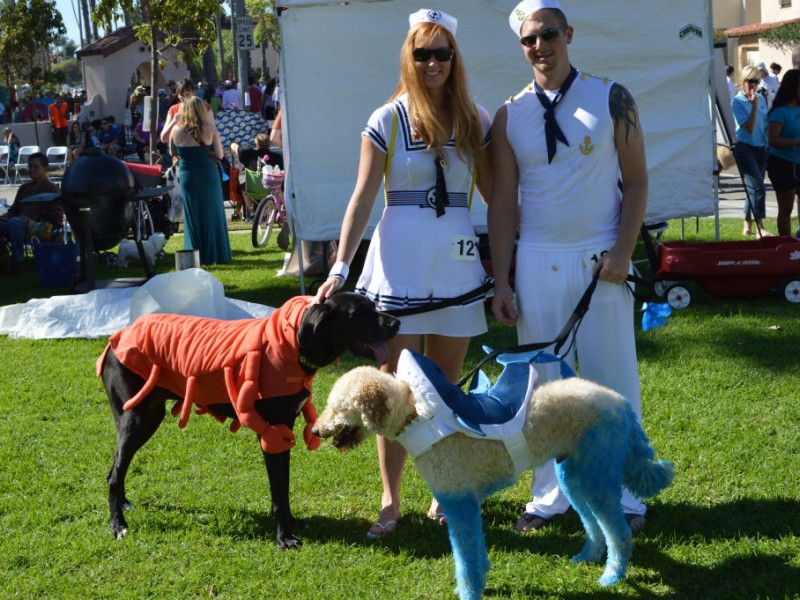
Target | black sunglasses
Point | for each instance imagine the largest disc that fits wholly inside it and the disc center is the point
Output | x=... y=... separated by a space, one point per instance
x=548 y=35
x=753 y=81
x=441 y=54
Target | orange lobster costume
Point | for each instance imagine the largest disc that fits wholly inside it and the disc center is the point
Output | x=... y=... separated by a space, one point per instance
x=208 y=361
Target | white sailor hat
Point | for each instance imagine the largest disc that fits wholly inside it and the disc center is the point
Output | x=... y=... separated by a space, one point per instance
x=525 y=9
x=426 y=15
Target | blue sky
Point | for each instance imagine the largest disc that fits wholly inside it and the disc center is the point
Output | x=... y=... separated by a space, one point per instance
x=65 y=7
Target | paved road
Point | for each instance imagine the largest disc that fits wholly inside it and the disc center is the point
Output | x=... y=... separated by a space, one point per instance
x=732 y=196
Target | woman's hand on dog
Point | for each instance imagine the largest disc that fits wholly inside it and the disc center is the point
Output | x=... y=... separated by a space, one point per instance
x=329 y=287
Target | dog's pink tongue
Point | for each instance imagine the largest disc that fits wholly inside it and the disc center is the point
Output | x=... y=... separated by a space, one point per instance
x=381 y=352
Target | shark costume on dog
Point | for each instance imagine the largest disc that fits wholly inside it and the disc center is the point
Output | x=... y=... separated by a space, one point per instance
x=468 y=446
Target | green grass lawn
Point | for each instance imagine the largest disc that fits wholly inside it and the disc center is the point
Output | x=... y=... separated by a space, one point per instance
x=720 y=385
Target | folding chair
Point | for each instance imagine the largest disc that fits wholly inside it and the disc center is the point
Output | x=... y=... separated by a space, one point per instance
x=57 y=158
x=253 y=190
x=5 y=155
x=22 y=160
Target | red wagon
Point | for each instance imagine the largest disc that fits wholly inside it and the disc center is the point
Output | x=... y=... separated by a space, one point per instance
x=742 y=268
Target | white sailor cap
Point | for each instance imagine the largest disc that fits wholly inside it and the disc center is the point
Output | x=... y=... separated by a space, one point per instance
x=426 y=15
x=525 y=9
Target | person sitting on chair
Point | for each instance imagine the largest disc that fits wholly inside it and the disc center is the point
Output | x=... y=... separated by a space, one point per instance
x=11 y=140
x=108 y=138
x=16 y=223
x=250 y=158
x=77 y=140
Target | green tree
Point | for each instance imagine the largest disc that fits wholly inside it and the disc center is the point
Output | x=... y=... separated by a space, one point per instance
x=265 y=20
x=188 y=26
x=69 y=69
x=28 y=28
x=265 y=31
x=198 y=71
x=785 y=36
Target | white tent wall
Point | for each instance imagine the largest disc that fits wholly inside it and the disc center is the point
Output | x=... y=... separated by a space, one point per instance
x=340 y=62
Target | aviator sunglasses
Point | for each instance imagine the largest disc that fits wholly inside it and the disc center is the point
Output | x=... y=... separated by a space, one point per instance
x=548 y=35
x=424 y=54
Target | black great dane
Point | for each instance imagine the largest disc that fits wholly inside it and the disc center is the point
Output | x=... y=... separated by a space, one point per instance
x=257 y=372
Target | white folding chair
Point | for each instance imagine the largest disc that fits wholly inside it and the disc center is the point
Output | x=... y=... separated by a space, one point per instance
x=57 y=158
x=5 y=154
x=22 y=160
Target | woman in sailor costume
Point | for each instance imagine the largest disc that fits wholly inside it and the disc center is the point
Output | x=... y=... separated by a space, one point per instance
x=428 y=145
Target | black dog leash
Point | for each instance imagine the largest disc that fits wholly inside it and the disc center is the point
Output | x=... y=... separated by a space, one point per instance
x=571 y=327
x=431 y=306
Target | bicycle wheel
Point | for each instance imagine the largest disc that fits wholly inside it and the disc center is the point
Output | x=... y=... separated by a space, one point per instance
x=143 y=226
x=263 y=222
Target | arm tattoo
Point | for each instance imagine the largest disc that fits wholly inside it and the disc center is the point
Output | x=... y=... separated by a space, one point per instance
x=623 y=110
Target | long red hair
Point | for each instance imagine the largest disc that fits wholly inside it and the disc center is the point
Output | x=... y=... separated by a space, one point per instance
x=466 y=123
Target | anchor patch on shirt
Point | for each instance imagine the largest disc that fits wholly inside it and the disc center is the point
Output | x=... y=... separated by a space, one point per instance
x=586 y=147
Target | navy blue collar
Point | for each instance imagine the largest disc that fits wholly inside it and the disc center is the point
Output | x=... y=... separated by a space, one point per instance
x=552 y=131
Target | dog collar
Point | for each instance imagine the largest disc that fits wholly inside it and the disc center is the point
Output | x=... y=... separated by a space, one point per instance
x=409 y=420
x=306 y=364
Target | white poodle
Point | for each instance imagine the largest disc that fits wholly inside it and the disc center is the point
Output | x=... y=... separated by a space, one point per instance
x=591 y=431
x=152 y=246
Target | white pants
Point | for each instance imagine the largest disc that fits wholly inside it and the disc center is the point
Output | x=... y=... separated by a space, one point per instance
x=548 y=286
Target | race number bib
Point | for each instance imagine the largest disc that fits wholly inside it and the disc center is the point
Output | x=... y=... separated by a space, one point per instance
x=592 y=257
x=464 y=247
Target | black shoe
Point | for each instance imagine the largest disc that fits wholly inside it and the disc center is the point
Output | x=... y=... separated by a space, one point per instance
x=235 y=218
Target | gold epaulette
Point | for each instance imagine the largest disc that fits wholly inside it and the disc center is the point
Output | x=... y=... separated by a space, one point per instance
x=527 y=88
x=585 y=76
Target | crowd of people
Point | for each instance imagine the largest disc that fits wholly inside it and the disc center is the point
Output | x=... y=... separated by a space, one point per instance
x=195 y=147
x=24 y=109
x=262 y=96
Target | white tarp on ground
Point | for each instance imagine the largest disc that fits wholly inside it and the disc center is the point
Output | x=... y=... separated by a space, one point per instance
x=340 y=62
x=102 y=312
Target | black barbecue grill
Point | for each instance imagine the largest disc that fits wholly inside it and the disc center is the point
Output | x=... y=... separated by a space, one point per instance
x=99 y=195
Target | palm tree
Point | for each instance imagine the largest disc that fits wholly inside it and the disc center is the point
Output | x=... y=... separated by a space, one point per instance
x=87 y=22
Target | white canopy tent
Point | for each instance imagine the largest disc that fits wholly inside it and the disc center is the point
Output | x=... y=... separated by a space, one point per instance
x=340 y=62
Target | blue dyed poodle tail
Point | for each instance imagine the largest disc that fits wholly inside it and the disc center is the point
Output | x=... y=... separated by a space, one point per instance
x=644 y=476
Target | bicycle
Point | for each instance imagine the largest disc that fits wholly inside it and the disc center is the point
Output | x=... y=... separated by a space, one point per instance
x=271 y=211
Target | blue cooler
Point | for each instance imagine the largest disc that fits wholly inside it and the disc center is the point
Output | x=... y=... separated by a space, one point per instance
x=56 y=263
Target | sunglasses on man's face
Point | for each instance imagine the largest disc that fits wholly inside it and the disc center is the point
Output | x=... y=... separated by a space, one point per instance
x=548 y=35
x=440 y=54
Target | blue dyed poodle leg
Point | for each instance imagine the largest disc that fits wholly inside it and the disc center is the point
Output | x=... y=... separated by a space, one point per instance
x=465 y=527
x=618 y=537
x=594 y=549
x=594 y=484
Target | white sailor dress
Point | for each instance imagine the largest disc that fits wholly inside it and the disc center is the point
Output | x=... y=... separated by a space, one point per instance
x=414 y=257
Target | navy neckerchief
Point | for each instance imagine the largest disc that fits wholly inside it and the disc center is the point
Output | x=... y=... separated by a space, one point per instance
x=552 y=131
x=441 y=187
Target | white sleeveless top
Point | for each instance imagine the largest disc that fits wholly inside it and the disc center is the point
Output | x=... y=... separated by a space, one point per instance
x=572 y=203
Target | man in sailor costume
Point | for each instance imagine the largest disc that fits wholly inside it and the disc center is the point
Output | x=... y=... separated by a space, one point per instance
x=570 y=146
